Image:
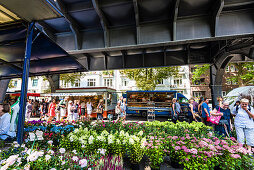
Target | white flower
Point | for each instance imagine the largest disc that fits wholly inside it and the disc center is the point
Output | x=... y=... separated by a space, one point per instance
x=83 y=146
x=122 y=133
x=90 y=140
x=33 y=157
x=62 y=150
x=102 y=151
x=83 y=163
x=40 y=153
x=60 y=157
x=118 y=141
x=75 y=158
x=11 y=160
x=140 y=133
x=143 y=142
x=53 y=169
x=27 y=167
x=124 y=141
x=63 y=162
x=47 y=157
x=111 y=138
x=71 y=139
x=51 y=152
x=50 y=142
x=131 y=141
x=23 y=145
x=74 y=151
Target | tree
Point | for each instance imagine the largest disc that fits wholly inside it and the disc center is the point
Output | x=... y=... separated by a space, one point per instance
x=71 y=77
x=244 y=74
x=148 y=78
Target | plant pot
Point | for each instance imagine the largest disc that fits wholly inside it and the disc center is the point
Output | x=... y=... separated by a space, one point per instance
x=175 y=164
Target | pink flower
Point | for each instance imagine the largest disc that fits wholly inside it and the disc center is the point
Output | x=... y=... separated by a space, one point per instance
x=194 y=151
x=223 y=142
x=174 y=137
x=194 y=156
x=217 y=142
x=233 y=139
x=182 y=138
x=236 y=156
x=186 y=159
x=177 y=148
x=186 y=130
x=184 y=148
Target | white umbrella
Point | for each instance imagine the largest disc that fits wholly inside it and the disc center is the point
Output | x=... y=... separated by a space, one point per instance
x=238 y=93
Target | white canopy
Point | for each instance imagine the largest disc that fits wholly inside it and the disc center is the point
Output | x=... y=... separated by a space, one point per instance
x=238 y=93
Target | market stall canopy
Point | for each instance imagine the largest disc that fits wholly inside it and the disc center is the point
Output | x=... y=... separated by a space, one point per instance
x=46 y=57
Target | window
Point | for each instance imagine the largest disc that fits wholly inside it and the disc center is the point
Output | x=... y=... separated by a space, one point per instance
x=178 y=81
x=91 y=82
x=35 y=83
x=228 y=82
x=232 y=68
x=234 y=82
x=124 y=82
x=198 y=93
x=108 y=82
x=77 y=83
x=15 y=83
x=200 y=82
x=227 y=69
x=160 y=82
x=223 y=93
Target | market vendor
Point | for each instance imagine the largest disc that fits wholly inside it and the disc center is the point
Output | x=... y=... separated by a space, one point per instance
x=5 y=118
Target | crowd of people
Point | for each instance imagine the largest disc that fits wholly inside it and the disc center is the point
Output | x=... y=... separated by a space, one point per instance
x=241 y=117
x=63 y=109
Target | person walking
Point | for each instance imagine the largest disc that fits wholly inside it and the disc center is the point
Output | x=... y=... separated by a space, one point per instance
x=63 y=107
x=89 y=109
x=205 y=112
x=199 y=106
x=71 y=111
x=29 y=108
x=100 y=110
x=191 y=111
x=244 y=123
x=83 y=110
x=52 y=110
x=44 y=109
x=176 y=108
x=224 y=127
x=76 y=110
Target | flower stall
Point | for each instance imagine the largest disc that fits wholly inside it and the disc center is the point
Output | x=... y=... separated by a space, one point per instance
x=117 y=145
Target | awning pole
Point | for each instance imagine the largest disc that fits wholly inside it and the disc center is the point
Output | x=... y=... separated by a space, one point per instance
x=25 y=76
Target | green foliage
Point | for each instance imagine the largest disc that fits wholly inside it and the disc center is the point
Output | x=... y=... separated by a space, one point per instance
x=108 y=72
x=199 y=71
x=148 y=78
x=243 y=76
x=71 y=77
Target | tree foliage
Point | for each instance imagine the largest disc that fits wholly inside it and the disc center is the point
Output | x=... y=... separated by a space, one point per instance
x=243 y=76
x=71 y=77
x=199 y=71
x=148 y=78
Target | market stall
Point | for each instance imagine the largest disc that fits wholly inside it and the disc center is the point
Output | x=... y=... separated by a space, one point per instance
x=95 y=94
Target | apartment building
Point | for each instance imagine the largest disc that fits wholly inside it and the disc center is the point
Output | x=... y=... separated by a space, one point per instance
x=113 y=79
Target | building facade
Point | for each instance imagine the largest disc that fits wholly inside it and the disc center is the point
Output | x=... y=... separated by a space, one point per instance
x=113 y=79
x=201 y=88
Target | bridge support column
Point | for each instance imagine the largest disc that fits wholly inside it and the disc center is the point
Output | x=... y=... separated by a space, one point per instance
x=216 y=76
x=3 y=88
x=54 y=81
